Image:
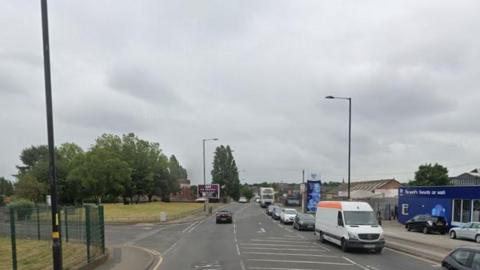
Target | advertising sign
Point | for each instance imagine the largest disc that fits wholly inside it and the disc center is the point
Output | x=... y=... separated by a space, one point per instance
x=212 y=191
x=313 y=195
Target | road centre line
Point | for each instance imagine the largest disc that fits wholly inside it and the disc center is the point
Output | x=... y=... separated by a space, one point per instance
x=305 y=262
x=279 y=241
x=285 y=249
x=355 y=263
x=154 y=253
x=242 y=265
x=290 y=254
x=189 y=226
x=278 y=268
x=276 y=245
x=169 y=248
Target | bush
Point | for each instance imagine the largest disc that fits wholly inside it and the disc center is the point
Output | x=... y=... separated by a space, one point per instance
x=2 y=200
x=22 y=207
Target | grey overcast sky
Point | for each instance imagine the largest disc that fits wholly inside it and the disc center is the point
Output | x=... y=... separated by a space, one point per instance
x=255 y=74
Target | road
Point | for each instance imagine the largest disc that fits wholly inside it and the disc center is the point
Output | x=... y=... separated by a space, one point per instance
x=253 y=242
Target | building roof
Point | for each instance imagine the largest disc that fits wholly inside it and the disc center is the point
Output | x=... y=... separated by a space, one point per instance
x=370 y=185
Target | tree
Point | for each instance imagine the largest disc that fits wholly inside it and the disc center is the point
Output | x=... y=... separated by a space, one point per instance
x=430 y=175
x=225 y=172
x=30 y=188
x=6 y=187
x=246 y=191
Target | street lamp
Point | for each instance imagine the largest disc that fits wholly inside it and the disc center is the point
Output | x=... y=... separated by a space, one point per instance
x=349 y=134
x=204 y=174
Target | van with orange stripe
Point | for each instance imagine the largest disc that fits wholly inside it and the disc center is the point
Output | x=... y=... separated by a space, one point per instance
x=349 y=225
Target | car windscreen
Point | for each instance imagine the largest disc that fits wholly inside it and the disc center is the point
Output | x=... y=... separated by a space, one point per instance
x=266 y=196
x=360 y=218
x=290 y=212
x=307 y=218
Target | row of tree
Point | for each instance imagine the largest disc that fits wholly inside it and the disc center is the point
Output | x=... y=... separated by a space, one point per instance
x=114 y=167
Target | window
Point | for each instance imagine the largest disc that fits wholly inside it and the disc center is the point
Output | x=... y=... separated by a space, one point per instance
x=462 y=256
x=457 y=210
x=339 y=219
x=360 y=218
x=476 y=211
x=405 y=209
x=466 y=210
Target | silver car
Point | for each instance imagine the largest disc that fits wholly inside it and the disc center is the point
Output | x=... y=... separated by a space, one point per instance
x=469 y=230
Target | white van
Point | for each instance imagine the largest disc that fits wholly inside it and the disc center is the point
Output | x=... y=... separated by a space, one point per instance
x=349 y=225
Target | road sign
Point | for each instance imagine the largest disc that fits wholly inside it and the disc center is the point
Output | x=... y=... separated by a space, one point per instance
x=211 y=191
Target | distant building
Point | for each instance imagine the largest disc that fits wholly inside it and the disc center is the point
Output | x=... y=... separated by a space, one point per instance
x=384 y=188
x=185 y=192
x=471 y=178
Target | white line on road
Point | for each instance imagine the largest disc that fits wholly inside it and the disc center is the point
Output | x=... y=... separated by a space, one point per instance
x=242 y=265
x=306 y=262
x=278 y=268
x=189 y=226
x=170 y=248
x=276 y=245
x=356 y=264
x=238 y=249
x=279 y=241
x=290 y=254
x=154 y=254
x=284 y=249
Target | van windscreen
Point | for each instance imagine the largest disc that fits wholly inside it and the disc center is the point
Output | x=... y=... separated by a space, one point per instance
x=360 y=218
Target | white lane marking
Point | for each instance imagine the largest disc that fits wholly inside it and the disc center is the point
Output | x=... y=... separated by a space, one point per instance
x=235 y=238
x=282 y=238
x=262 y=229
x=280 y=241
x=153 y=253
x=355 y=263
x=276 y=245
x=238 y=249
x=278 y=268
x=284 y=249
x=305 y=262
x=290 y=254
x=242 y=265
x=189 y=226
x=170 y=248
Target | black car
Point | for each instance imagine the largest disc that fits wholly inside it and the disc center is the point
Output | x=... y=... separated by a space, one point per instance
x=427 y=224
x=304 y=222
x=463 y=258
x=276 y=210
x=224 y=216
x=269 y=210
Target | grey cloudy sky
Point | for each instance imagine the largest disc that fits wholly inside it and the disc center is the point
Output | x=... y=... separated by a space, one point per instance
x=255 y=74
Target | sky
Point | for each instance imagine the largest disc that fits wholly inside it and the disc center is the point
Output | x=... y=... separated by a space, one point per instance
x=254 y=74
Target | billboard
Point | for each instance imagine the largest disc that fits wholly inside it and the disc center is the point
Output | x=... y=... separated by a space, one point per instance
x=212 y=191
x=313 y=195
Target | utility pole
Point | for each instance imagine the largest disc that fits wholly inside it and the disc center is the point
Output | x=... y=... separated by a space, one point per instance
x=52 y=174
x=303 y=192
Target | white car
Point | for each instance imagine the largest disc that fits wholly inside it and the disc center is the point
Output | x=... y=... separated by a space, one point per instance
x=242 y=200
x=287 y=216
x=469 y=230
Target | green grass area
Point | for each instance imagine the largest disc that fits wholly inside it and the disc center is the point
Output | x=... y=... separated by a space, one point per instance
x=37 y=254
x=150 y=212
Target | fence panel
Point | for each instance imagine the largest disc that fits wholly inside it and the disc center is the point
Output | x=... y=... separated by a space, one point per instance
x=25 y=236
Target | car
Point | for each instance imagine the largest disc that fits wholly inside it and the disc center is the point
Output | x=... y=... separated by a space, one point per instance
x=427 y=224
x=224 y=216
x=200 y=200
x=269 y=209
x=287 y=215
x=349 y=224
x=304 y=222
x=257 y=200
x=276 y=210
x=469 y=230
x=242 y=200
x=463 y=258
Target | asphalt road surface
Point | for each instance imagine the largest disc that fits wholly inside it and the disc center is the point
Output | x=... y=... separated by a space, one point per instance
x=253 y=242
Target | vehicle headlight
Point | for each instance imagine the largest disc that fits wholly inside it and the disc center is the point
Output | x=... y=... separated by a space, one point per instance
x=382 y=237
x=352 y=235
x=429 y=222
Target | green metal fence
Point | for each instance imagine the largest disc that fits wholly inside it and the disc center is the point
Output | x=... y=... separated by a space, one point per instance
x=25 y=237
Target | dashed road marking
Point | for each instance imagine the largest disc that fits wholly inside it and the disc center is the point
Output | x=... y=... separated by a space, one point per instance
x=304 y=262
x=290 y=254
x=355 y=263
x=279 y=241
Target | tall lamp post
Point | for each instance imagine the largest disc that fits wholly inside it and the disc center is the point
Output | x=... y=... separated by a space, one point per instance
x=204 y=174
x=349 y=134
x=52 y=174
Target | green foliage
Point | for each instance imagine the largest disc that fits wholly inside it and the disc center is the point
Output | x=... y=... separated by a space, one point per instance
x=30 y=188
x=225 y=172
x=2 y=200
x=430 y=175
x=246 y=191
x=6 y=187
x=23 y=208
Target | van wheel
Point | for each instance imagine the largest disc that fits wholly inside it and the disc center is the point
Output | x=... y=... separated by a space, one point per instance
x=477 y=238
x=425 y=230
x=408 y=228
x=320 y=237
x=453 y=235
x=344 y=245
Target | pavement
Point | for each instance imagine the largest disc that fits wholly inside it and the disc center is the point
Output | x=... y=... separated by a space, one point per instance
x=430 y=246
x=253 y=242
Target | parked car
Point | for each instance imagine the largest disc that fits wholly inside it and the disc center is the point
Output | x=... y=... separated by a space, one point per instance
x=427 y=224
x=349 y=225
x=257 y=200
x=463 y=258
x=269 y=209
x=242 y=200
x=287 y=215
x=470 y=230
x=304 y=222
x=224 y=216
x=276 y=212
